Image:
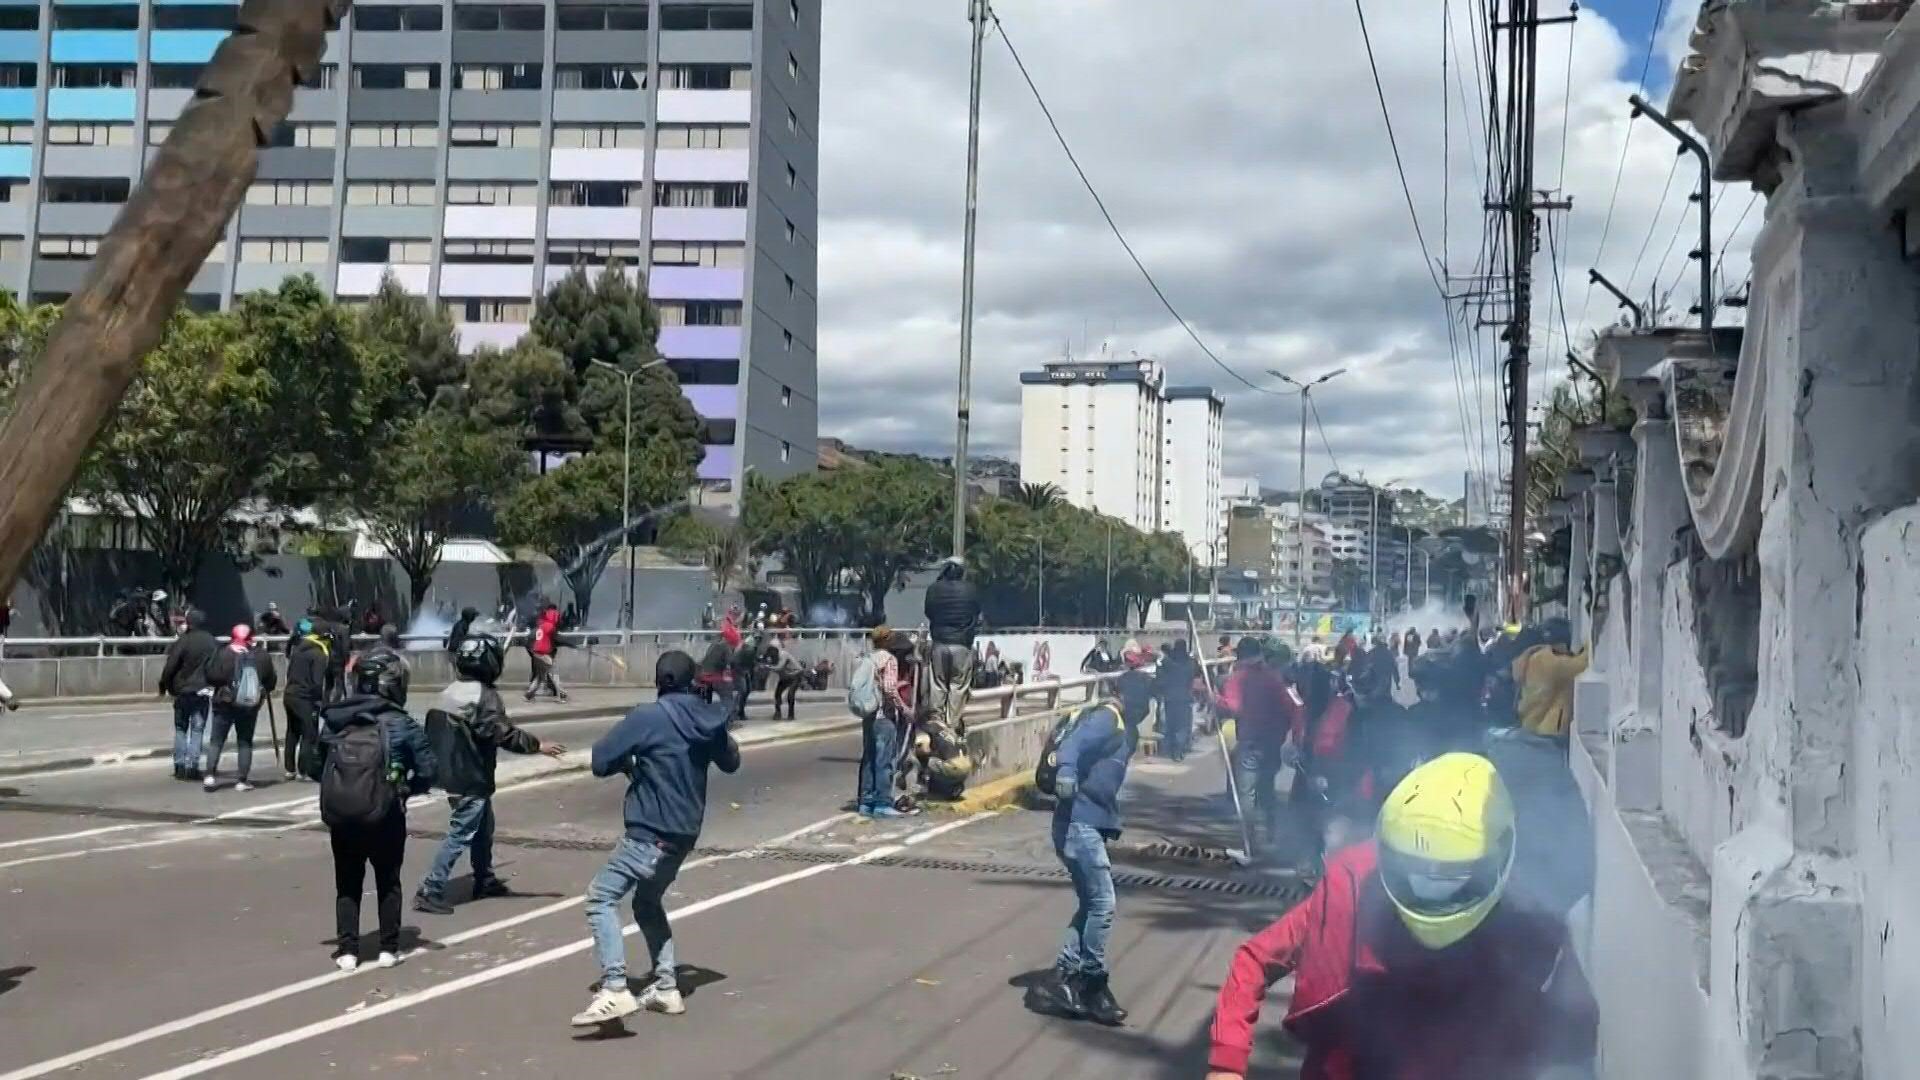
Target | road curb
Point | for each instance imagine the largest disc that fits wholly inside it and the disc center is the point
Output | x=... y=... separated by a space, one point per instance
x=993 y=795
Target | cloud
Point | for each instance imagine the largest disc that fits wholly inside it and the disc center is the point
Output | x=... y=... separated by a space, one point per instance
x=1239 y=145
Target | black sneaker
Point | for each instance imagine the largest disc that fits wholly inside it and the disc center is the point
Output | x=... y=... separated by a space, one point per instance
x=432 y=905
x=179 y=772
x=1097 y=999
x=490 y=888
x=1059 y=994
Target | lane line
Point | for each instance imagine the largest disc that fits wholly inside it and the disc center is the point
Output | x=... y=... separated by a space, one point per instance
x=264 y=808
x=525 y=963
x=234 y=1008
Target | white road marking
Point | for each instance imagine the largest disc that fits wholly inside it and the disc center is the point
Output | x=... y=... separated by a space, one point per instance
x=264 y=808
x=234 y=1008
x=514 y=967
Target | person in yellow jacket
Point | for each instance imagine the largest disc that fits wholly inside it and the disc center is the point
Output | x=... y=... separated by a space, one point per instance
x=1543 y=676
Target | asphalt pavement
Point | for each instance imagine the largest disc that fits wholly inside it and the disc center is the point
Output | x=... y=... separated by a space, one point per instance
x=150 y=930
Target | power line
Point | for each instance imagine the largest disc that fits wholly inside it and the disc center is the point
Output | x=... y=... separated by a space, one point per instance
x=1087 y=182
x=1646 y=64
x=1386 y=114
x=1658 y=208
x=1735 y=231
x=1314 y=407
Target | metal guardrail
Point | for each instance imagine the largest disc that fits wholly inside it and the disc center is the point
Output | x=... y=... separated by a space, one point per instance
x=102 y=645
x=1008 y=696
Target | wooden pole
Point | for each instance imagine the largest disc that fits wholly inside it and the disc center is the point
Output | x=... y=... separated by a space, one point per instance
x=168 y=227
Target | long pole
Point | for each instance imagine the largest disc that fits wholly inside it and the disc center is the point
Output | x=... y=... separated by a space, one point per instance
x=1409 y=568
x=626 y=500
x=977 y=15
x=1300 y=526
x=1373 y=556
x=1040 y=579
x=1109 y=606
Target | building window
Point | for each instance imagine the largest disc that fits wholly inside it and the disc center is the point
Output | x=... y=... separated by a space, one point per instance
x=786 y=340
x=792 y=290
x=19 y=18
x=93 y=76
x=380 y=249
x=721 y=195
x=716 y=432
x=492 y=194
x=699 y=253
x=324 y=77
x=96 y=17
x=174 y=76
x=391 y=193
x=290 y=193
x=519 y=252
x=157 y=133
x=597 y=193
x=699 y=312
x=786 y=451
x=419 y=17
x=501 y=136
x=600 y=77
x=500 y=17
x=302 y=135
x=16 y=134
x=90 y=134
x=19 y=76
x=706 y=77
x=593 y=252
x=793 y=66
x=793 y=177
x=704 y=136
x=284 y=250
x=601 y=17
x=496 y=76
x=396 y=76
x=793 y=10
x=706 y=17
x=793 y=122
x=393 y=135
x=518 y=310
x=69 y=248
x=599 y=136
x=88 y=190
x=786 y=395
x=705 y=372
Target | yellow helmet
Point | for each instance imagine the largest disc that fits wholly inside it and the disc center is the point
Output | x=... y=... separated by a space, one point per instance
x=1446 y=847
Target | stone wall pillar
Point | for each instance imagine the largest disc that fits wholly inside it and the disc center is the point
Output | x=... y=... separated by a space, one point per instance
x=1577 y=571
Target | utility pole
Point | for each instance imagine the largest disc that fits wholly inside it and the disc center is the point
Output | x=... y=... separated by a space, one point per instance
x=963 y=408
x=1300 y=522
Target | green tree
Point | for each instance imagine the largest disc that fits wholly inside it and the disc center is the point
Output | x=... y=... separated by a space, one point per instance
x=23 y=332
x=724 y=548
x=806 y=520
x=527 y=389
x=1038 y=496
x=413 y=353
x=421 y=480
x=231 y=413
x=897 y=515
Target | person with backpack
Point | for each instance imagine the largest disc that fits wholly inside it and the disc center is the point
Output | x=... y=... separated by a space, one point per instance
x=1088 y=759
x=873 y=695
x=307 y=656
x=184 y=677
x=468 y=727
x=371 y=757
x=664 y=749
x=241 y=676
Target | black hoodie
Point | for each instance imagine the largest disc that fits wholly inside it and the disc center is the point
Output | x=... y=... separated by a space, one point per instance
x=664 y=750
x=185 y=671
x=407 y=746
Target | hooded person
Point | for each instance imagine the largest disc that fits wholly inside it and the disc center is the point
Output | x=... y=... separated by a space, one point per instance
x=953 y=619
x=1134 y=685
x=389 y=644
x=1173 y=684
x=1411 y=957
x=664 y=750
x=306 y=692
x=462 y=627
x=371 y=757
x=271 y=622
x=184 y=678
x=542 y=648
x=241 y=676
x=1268 y=716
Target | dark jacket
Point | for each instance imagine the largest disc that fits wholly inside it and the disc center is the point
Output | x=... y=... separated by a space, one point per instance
x=953 y=612
x=664 y=749
x=224 y=668
x=468 y=728
x=381 y=648
x=339 y=647
x=462 y=629
x=1173 y=680
x=1094 y=757
x=307 y=670
x=1135 y=688
x=185 y=671
x=407 y=746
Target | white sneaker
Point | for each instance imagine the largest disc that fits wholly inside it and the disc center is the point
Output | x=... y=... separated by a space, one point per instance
x=242 y=786
x=389 y=960
x=346 y=962
x=666 y=1002
x=210 y=783
x=606 y=1007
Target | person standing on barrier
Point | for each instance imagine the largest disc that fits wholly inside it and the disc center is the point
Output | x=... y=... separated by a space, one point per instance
x=953 y=619
x=184 y=678
x=468 y=728
x=307 y=656
x=664 y=750
x=241 y=676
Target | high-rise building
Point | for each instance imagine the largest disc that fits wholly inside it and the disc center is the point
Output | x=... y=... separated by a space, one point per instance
x=1094 y=431
x=477 y=152
x=1190 y=471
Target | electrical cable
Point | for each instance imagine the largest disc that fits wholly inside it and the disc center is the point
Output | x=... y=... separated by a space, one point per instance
x=1646 y=65
x=1658 y=209
x=1314 y=408
x=1393 y=141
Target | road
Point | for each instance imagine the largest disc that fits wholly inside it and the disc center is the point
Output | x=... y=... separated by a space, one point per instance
x=147 y=929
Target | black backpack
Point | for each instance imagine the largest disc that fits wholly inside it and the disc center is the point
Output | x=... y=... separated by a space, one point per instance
x=356 y=785
x=1048 y=770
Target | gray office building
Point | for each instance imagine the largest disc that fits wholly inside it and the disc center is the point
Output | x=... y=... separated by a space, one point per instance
x=477 y=152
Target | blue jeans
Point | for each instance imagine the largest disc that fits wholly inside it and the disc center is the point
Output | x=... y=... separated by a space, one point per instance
x=878 y=749
x=190 y=713
x=469 y=826
x=1083 y=851
x=647 y=871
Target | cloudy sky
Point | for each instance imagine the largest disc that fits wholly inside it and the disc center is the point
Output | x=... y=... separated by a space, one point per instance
x=1239 y=144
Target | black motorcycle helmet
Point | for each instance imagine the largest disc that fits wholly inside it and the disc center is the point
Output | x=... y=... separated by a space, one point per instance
x=381 y=674
x=479 y=658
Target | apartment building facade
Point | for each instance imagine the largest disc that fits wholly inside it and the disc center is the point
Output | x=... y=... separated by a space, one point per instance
x=477 y=152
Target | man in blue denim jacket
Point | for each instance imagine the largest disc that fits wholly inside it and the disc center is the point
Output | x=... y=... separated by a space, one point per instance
x=664 y=750
x=1086 y=815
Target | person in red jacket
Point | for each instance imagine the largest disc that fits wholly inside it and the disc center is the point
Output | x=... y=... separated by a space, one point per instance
x=1267 y=718
x=541 y=647
x=1410 y=962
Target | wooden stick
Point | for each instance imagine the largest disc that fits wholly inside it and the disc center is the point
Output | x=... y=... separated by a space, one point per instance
x=158 y=242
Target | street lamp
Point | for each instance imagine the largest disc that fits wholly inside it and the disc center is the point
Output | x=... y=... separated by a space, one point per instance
x=626 y=476
x=1300 y=527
